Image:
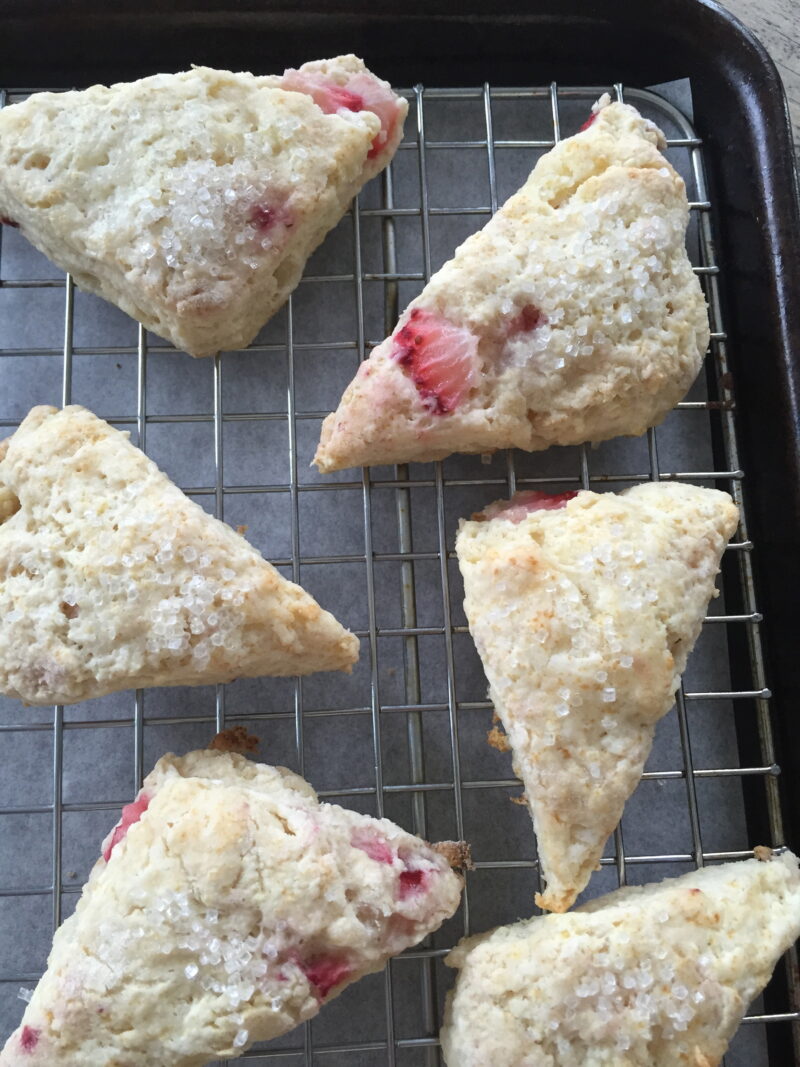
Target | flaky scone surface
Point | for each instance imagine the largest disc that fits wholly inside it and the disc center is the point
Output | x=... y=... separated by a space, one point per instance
x=575 y=312
x=111 y=578
x=192 y=200
x=583 y=617
x=654 y=976
x=229 y=906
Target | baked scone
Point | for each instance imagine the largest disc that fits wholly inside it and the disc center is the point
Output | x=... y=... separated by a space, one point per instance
x=111 y=578
x=572 y=316
x=229 y=905
x=652 y=976
x=192 y=201
x=584 y=609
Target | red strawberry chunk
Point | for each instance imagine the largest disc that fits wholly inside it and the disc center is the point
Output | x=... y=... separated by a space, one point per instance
x=522 y=504
x=375 y=846
x=131 y=814
x=29 y=1038
x=325 y=972
x=441 y=358
x=411 y=883
x=363 y=92
x=528 y=319
x=590 y=120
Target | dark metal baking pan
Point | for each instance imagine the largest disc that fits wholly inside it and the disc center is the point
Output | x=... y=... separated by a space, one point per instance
x=740 y=117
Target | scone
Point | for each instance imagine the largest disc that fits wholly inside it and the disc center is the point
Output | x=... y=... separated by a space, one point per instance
x=229 y=905
x=111 y=578
x=584 y=609
x=573 y=315
x=192 y=201
x=653 y=976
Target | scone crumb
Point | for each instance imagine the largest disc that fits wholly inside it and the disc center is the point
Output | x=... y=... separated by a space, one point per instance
x=521 y=799
x=763 y=853
x=497 y=739
x=457 y=853
x=235 y=739
x=242 y=529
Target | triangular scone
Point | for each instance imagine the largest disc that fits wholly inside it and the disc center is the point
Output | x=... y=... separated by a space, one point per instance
x=584 y=609
x=193 y=200
x=229 y=906
x=653 y=976
x=111 y=578
x=573 y=315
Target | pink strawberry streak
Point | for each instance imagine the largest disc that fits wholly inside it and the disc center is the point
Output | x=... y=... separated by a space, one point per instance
x=376 y=847
x=325 y=972
x=410 y=881
x=265 y=216
x=523 y=504
x=131 y=814
x=362 y=92
x=589 y=121
x=29 y=1038
x=528 y=319
x=5 y=221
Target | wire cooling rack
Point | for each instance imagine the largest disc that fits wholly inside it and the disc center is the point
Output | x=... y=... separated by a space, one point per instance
x=405 y=736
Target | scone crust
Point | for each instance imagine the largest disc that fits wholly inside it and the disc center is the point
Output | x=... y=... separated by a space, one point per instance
x=236 y=905
x=652 y=976
x=145 y=191
x=593 y=245
x=584 y=618
x=111 y=578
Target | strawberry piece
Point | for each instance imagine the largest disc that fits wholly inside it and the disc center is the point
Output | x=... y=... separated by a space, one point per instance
x=522 y=504
x=363 y=92
x=325 y=93
x=440 y=357
x=29 y=1038
x=381 y=101
x=376 y=847
x=265 y=216
x=528 y=319
x=131 y=814
x=325 y=972
x=411 y=882
x=590 y=120
x=5 y=221
x=335 y=97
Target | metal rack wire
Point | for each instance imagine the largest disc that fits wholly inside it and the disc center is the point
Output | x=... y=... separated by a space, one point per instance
x=294 y=714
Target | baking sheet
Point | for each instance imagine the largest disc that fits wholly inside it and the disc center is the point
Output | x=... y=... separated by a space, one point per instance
x=316 y=344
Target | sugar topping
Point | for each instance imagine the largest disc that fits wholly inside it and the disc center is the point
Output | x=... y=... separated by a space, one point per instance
x=652 y=975
x=212 y=215
x=189 y=597
x=620 y=1000
x=614 y=269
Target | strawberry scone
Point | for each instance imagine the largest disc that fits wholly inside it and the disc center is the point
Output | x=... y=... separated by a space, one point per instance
x=652 y=976
x=573 y=315
x=584 y=609
x=192 y=201
x=229 y=905
x=111 y=578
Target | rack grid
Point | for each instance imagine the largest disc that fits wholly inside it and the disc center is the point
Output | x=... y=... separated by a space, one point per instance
x=293 y=713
